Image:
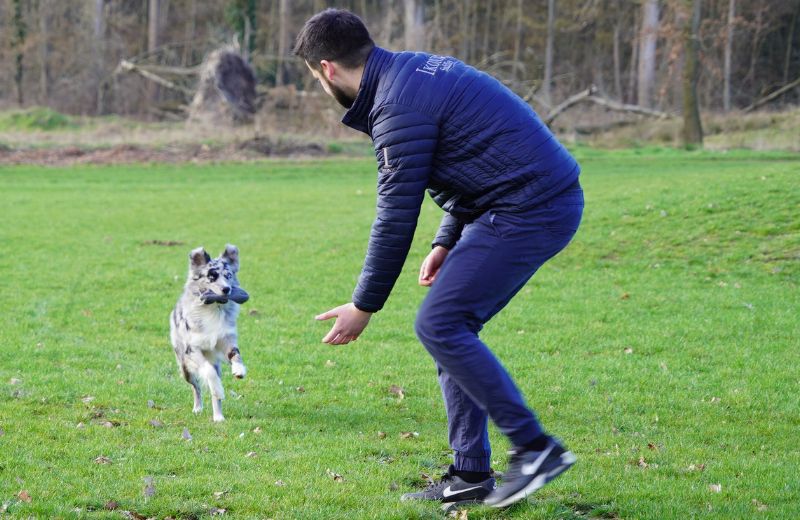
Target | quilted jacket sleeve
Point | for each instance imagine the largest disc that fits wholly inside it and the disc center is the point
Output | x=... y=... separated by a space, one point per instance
x=405 y=141
x=449 y=232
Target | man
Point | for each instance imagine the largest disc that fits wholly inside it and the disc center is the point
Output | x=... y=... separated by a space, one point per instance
x=512 y=200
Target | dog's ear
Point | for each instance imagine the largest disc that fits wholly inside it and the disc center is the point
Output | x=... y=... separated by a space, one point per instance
x=198 y=258
x=231 y=256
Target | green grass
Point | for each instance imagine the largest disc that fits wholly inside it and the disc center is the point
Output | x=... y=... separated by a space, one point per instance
x=34 y=118
x=662 y=345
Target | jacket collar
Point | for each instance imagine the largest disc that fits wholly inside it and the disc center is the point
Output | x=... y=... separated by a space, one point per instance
x=357 y=116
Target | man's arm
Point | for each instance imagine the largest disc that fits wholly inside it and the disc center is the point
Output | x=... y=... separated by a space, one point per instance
x=405 y=141
x=449 y=232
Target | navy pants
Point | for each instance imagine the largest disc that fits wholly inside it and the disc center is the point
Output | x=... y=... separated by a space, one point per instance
x=494 y=258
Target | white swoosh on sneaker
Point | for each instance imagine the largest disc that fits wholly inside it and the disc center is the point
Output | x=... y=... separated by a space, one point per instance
x=448 y=493
x=533 y=467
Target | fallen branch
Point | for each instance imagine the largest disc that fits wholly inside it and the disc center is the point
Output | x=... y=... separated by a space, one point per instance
x=772 y=96
x=127 y=66
x=590 y=95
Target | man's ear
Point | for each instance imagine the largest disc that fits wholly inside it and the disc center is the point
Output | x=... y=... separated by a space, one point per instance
x=328 y=69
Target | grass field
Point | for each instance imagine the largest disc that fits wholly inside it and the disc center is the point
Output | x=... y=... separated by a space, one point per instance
x=662 y=345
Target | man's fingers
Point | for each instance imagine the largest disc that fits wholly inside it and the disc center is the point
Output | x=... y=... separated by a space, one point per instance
x=331 y=335
x=326 y=315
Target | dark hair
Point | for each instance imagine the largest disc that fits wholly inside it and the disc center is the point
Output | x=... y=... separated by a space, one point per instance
x=334 y=35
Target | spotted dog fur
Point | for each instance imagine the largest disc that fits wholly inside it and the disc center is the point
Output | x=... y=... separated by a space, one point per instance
x=203 y=324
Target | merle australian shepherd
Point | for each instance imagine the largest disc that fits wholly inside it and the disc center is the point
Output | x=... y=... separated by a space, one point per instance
x=203 y=324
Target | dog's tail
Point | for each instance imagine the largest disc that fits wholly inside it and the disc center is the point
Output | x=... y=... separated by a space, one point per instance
x=209 y=374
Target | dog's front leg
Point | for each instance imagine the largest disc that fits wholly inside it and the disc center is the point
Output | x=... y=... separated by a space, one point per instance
x=235 y=357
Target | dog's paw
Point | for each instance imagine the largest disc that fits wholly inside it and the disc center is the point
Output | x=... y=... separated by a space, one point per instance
x=238 y=370
x=219 y=418
x=197 y=409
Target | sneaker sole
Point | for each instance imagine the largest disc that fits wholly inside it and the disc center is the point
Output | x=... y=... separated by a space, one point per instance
x=567 y=460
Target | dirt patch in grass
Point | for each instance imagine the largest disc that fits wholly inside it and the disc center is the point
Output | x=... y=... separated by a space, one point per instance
x=253 y=149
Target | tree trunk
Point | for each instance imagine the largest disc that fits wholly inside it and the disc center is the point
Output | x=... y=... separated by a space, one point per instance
x=388 y=24
x=617 y=53
x=44 y=52
x=548 y=52
x=18 y=42
x=634 y=62
x=188 y=35
x=647 y=52
x=726 y=87
x=152 y=24
x=98 y=48
x=517 y=41
x=413 y=25
x=790 y=45
x=692 y=127
x=284 y=16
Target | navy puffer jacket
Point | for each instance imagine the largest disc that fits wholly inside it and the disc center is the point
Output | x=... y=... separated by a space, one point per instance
x=442 y=126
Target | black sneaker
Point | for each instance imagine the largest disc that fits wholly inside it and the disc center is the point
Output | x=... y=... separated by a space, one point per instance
x=452 y=488
x=528 y=471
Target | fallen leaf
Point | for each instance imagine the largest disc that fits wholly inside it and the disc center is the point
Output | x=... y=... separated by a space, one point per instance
x=652 y=446
x=111 y=505
x=699 y=467
x=133 y=515
x=643 y=463
x=2 y=432
x=220 y=494
x=166 y=243
x=102 y=459
x=408 y=435
x=14 y=381
x=381 y=435
x=715 y=399
x=250 y=454
x=87 y=399
x=628 y=350
x=253 y=312
x=759 y=505
x=151 y=403
x=427 y=478
x=24 y=496
x=155 y=423
x=216 y=511
x=330 y=363
x=459 y=514
x=300 y=389
x=186 y=435
x=716 y=488
x=149 y=488
x=110 y=424
x=335 y=476
x=280 y=483
x=257 y=429
x=624 y=296
x=86 y=312
x=398 y=391
x=80 y=425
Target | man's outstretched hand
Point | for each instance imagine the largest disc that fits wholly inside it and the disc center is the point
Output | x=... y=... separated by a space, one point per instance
x=430 y=266
x=350 y=322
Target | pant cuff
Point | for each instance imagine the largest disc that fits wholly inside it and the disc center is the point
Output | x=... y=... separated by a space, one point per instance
x=466 y=463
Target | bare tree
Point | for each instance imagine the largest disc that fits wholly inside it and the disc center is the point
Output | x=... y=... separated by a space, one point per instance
x=692 y=127
x=647 y=52
x=548 y=52
x=18 y=43
x=726 y=85
x=413 y=25
x=284 y=16
x=44 y=52
x=617 y=51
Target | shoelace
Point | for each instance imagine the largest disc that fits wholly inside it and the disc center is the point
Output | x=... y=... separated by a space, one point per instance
x=447 y=477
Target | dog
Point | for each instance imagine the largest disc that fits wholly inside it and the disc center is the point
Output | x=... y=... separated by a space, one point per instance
x=203 y=324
